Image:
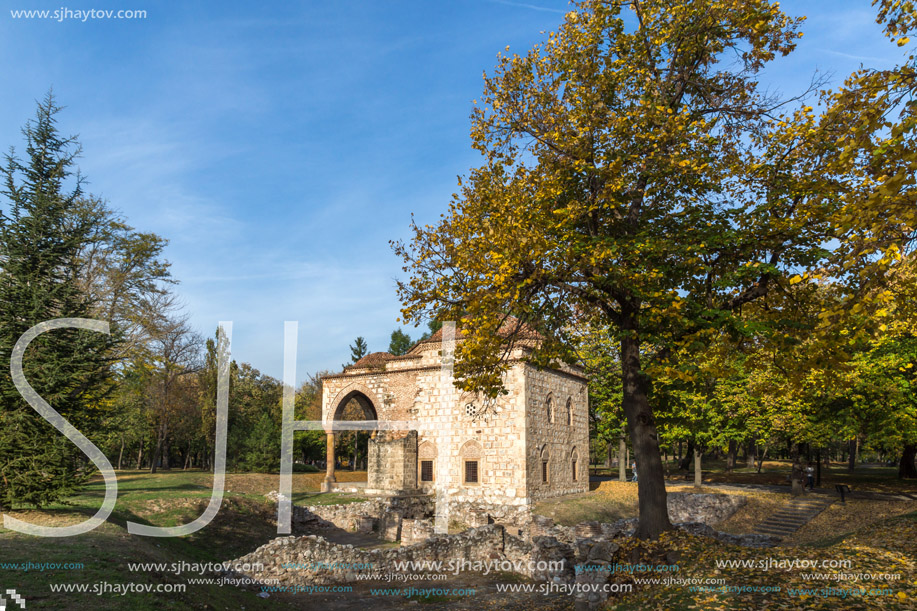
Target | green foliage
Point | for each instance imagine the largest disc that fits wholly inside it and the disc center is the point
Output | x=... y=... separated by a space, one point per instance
x=602 y=365
x=401 y=342
x=41 y=238
x=309 y=445
x=621 y=189
x=262 y=446
x=357 y=351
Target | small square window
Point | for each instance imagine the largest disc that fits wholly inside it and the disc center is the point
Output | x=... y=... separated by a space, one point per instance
x=426 y=470
x=471 y=472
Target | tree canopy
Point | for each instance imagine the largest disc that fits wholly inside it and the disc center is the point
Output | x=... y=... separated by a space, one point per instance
x=636 y=180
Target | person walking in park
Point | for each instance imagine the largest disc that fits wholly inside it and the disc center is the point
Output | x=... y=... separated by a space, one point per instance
x=810 y=476
x=634 y=469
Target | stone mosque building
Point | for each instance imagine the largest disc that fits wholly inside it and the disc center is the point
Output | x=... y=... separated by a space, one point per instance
x=527 y=445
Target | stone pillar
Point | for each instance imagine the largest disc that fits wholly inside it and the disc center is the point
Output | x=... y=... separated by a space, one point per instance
x=329 y=458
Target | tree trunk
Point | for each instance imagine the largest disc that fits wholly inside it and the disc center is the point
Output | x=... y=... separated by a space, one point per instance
x=157 y=452
x=818 y=468
x=139 y=456
x=622 y=459
x=731 y=455
x=166 y=452
x=750 y=450
x=651 y=494
x=154 y=459
x=687 y=456
x=698 y=476
x=121 y=453
x=609 y=452
x=906 y=468
x=796 y=475
x=761 y=458
x=852 y=454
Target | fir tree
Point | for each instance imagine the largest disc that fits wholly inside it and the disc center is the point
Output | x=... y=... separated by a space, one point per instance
x=357 y=351
x=40 y=240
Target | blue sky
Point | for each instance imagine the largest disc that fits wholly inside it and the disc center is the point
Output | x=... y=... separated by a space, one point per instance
x=279 y=148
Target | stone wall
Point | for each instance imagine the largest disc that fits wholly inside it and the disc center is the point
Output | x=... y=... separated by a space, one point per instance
x=506 y=437
x=491 y=433
x=684 y=507
x=392 y=463
x=302 y=560
x=351 y=516
x=703 y=508
x=476 y=513
x=416 y=531
x=553 y=438
x=552 y=554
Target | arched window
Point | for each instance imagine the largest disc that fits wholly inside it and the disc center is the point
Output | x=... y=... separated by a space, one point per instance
x=545 y=466
x=574 y=461
x=471 y=462
x=569 y=411
x=549 y=407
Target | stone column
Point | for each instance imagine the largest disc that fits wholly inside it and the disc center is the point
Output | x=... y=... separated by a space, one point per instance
x=329 y=471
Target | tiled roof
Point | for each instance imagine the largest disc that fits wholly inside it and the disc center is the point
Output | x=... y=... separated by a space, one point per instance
x=374 y=359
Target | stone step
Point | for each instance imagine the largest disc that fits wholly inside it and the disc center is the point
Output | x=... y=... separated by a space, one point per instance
x=782 y=524
x=793 y=516
x=775 y=533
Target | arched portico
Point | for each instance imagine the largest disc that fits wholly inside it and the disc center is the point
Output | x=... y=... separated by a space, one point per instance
x=334 y=413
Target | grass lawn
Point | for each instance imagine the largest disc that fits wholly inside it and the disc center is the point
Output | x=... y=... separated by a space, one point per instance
x=168 y=498
x=866 y=477
x=871 y=533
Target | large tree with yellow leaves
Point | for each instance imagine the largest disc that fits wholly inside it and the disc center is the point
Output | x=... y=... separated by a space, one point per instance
x=635 y=180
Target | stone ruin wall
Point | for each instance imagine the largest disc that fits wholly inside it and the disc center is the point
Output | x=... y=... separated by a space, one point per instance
x=544 y=552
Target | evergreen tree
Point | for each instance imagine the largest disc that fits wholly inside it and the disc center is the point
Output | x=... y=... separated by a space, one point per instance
x=357 y=351
x=40 y=240
x=400 y=343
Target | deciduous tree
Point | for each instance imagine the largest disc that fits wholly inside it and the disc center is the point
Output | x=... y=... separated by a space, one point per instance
x=632 y=182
